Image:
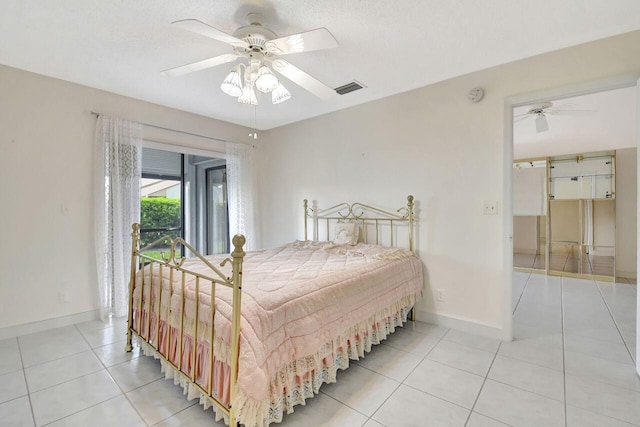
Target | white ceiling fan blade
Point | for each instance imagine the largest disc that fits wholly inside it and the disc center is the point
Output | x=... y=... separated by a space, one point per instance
x=206 y=30
x=200 y=65
x=303 y=79
x=317 y=39
x=564 y=105
x=571 y=112
x=521 y=118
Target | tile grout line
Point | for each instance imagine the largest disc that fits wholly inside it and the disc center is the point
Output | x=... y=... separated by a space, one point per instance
x=458 y=368
x=582 y=408
x=624 y=341
x=486 y=376
x=62 y=357
x=81 y=376
x=57 y=359
x=443 y=364
x=524 y=288
x=173 y=415
x=523 y=389
x=564 y=362
x=564 y=265
x=26 y=384
x=437 y=397
x=67 y=381
x=414 y=368
x=539 y=365
x=80 y=410
x=122 y=393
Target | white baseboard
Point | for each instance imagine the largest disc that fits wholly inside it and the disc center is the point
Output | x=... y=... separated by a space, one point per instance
x=461 y=324
x=525 y=251
x=627 y=274
x=43 y=325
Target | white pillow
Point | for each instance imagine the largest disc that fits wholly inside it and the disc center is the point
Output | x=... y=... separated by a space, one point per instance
x=346 y=233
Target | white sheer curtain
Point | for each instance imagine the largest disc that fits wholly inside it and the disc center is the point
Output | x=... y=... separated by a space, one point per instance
x=241 y=189
x=117 y=165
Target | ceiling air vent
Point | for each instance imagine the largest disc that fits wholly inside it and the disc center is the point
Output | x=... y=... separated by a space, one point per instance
x=349 y=87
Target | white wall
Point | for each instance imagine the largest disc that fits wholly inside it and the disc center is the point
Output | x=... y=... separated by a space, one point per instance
x=525 y=234
x=530 y=191
x=432 y=143
x=626 y=202
x=46 y=142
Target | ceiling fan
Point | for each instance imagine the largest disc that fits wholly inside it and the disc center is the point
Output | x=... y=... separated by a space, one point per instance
x=540 y=111
x=262 y=49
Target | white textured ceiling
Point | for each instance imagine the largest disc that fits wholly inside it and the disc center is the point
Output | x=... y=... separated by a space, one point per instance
x=595 y=122
x=390 y=46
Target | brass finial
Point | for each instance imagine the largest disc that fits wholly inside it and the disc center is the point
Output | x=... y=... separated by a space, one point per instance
x=136 y=227
x=238 y=242
x=410 y=199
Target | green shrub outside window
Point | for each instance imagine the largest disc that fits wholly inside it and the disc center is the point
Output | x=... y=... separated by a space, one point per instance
x=159 y=212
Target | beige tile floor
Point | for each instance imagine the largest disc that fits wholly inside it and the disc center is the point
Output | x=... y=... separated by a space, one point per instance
x=570 y=364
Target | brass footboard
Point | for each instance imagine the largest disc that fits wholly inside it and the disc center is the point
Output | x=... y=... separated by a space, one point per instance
x=142 y=328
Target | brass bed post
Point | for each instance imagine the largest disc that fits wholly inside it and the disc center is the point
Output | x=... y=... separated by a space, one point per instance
x=306 y=213
x=160 y=309
x=135 y=239
x=150 y=296
x=194 y=358
x=182 y=314
x=410 y=215
x=167 y=335
x=410 y=212
x=237 y=255
x=212 y=337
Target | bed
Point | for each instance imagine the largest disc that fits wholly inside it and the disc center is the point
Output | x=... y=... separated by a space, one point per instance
x=285 y=319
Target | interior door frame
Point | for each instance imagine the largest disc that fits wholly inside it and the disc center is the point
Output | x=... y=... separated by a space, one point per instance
x=568 y=91
x=638 y=223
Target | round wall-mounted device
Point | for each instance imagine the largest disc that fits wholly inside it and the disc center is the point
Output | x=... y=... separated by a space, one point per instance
x=476 y=94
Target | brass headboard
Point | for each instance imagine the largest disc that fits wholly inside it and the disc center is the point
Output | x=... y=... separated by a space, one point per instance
x=368 y=218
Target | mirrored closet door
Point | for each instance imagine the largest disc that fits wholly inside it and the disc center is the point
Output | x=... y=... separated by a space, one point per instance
x=582 y=215
x=565 y=215
x=530 y=214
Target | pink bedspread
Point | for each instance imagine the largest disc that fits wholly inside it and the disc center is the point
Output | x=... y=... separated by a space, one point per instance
x=295 y=299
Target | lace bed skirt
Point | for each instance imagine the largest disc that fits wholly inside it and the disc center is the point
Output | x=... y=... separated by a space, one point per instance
x=299 y=380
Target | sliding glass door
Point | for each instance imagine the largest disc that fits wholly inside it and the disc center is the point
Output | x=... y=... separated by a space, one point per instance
x=184 y=195
x=217 y=213
x=161 y=201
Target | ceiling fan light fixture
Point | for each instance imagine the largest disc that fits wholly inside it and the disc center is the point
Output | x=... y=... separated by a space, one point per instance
x=232 y=84
x=248 y=96
x=266 y=80
x=541 y=123
x=280 y=94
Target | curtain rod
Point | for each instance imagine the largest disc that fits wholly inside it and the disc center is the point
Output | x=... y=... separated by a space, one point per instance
x=172 y=130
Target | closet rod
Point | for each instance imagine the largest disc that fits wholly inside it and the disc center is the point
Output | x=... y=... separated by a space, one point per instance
x=171 y=130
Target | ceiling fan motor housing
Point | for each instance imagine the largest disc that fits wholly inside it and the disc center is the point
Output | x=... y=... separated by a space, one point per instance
x=256 y=36
x=539 y=108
